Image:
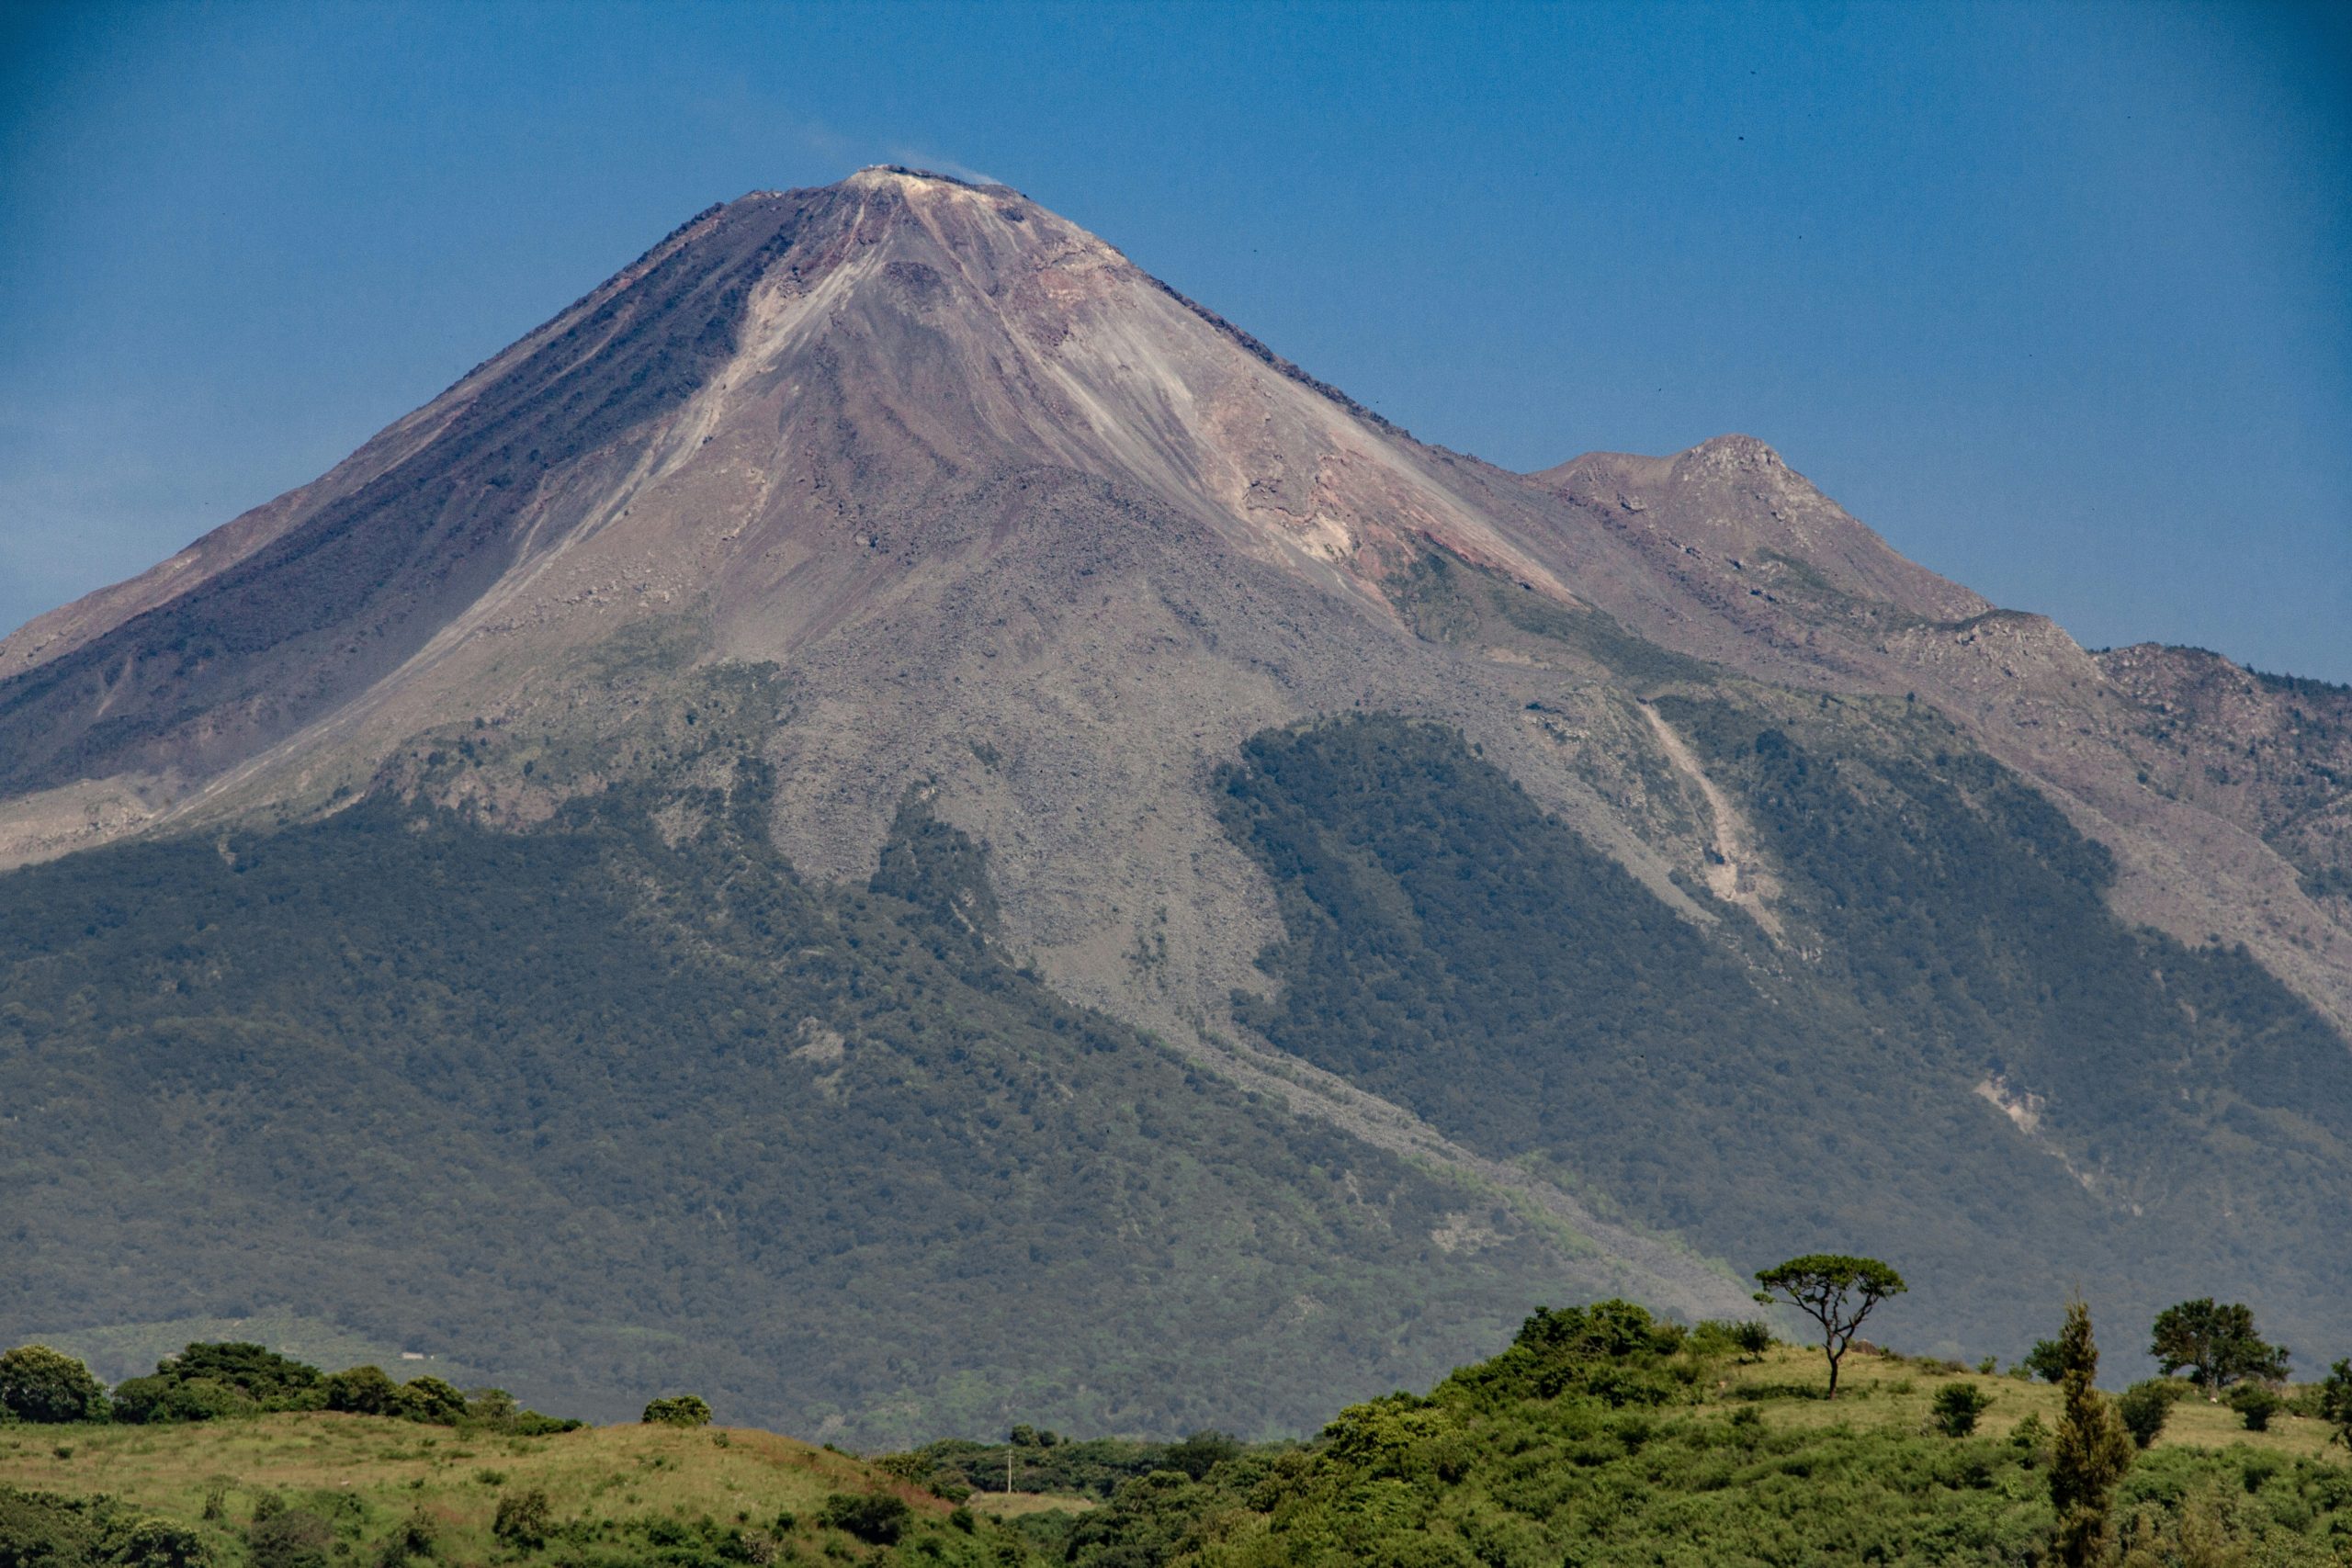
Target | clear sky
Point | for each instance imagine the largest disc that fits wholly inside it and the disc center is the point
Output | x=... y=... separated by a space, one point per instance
x=2057 y=296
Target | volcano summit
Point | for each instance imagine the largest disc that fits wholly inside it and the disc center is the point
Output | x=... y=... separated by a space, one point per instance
x=890 y=817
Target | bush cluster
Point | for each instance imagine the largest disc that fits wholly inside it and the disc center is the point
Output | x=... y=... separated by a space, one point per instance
x=212 y=1380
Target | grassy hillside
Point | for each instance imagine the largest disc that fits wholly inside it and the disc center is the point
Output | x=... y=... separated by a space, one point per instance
x=2186 y=1120
x=375 y=1490
x=1599 y=1438
x=621 y=1104
x=1673 y=1451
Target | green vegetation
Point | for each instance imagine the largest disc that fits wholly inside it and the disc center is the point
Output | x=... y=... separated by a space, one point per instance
x=1449 y=600
x=1602 y=1438
x=40 y=1531
x=120 y=1350
x=621 y=1105
x=314 y=1489
x=2257 y=1403
x=877 y=1519
x=2217 y=1344
x=678 y=1410
x=2144 y=1408
x=1024 y=1465
x=217 y=1380
x=42 y=1385
x=1948 y=952
x=1958 y=1407
x=2333 y=1404
x=1835 y=1291
x=2091 y=1452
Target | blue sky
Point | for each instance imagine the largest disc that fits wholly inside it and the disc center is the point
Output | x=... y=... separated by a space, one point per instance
x=2057 y=296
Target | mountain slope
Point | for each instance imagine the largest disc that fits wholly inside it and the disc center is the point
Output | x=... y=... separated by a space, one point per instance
x=620 y=1103
x=906 y=489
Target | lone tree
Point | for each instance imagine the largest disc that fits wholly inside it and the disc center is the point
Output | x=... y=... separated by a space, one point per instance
x=2092 y=1450
x=2217 y=1344
x=1835 y=1291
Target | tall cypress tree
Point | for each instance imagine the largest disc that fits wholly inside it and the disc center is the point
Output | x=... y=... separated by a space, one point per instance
x=2092 y=1452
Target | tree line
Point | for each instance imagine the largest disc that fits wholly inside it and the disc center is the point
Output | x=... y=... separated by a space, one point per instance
x=211 y=1379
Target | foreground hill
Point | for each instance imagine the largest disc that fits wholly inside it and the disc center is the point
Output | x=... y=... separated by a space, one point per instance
x=1597 y=1447
x=284 y=1490
x=1597 y=1440
x=889 y=818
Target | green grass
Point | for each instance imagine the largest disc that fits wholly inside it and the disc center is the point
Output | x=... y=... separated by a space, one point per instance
x=612 y=1490
x=1893 y=1394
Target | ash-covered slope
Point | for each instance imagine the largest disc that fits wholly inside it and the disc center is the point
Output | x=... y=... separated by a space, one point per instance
x=906 y=490
x=793 y=380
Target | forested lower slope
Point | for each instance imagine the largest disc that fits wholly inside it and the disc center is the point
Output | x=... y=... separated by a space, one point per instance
x=1950 y=1054
x=621 y=1103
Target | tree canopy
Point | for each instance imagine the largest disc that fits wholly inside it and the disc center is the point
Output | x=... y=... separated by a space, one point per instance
x=2091 y=1452
x=39 y=1384
x=678 y=1410
x=2217 y=1344
x=1836 y=1290
x=2335 y=1400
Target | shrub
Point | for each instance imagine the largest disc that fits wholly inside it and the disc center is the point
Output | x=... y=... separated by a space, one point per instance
x=2257 y=1403
x=1957 y=1407
x=1201 y=1452
x=430 y=1400
x=161 y=1399
x=523 y=1520
x=2335 y=1402
x=678 y=1410
x=39 y=1384
x=259 y=1375
x=492 y=1406
x=1750 y=1338
x=289 y=1537
x=364 y=1390
x=875 y=1517
x=159 y=1543
x=413 y=1538
x=2144 y=1407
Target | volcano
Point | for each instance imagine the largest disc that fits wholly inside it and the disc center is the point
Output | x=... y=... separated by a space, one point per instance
x=1622 y=872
